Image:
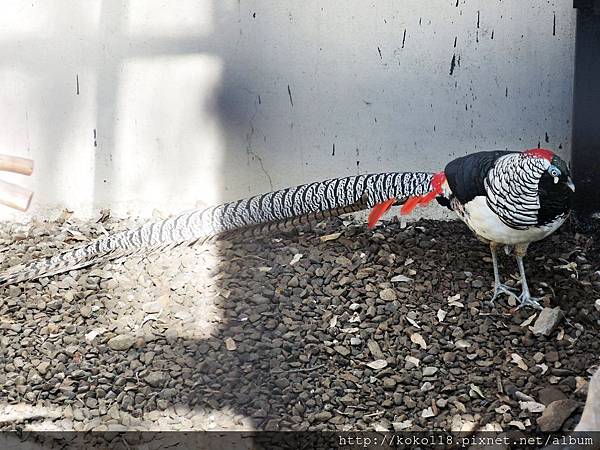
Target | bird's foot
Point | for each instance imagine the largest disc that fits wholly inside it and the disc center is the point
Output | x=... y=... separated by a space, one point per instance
x=525 y=299
x=500 y=288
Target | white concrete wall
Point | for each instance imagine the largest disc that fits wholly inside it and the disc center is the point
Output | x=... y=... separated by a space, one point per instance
x=144 y=104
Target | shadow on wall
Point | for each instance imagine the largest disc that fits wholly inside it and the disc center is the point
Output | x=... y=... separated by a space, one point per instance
x=115 y=102
x=139 y=105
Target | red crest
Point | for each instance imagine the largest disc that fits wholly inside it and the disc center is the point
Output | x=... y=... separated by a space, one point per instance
x=540 y=153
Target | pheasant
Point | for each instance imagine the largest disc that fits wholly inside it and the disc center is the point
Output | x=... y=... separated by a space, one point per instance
x=505 y=198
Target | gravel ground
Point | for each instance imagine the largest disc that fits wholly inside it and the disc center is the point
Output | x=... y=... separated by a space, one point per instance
x=384 y=329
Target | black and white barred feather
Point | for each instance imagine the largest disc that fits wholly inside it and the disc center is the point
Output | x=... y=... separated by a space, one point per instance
x=512 y=189
x=265 y=212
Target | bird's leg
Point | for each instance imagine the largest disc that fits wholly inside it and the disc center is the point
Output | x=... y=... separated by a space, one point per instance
x=499 y=288
x=525 y=298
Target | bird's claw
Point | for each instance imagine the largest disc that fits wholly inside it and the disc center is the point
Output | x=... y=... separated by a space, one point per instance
x=525 y=299
x=500 y=288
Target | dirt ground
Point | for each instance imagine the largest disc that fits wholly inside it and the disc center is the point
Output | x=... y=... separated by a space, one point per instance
x=389 y=329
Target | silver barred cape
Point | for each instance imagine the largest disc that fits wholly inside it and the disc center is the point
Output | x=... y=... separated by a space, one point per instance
x=262 y=213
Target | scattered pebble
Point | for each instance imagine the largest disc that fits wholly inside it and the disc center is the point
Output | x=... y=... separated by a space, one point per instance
x=233 y=336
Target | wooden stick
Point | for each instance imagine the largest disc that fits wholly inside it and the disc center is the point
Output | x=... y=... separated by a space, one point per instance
x=14 y=196
x=24 y=166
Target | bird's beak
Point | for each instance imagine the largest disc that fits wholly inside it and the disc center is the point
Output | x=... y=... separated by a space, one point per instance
x=570 y=184
x=555 y=180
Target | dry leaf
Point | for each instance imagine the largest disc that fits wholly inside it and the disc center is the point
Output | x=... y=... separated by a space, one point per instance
x=516 y=358
x=476 y=389
x=418 y=339
x=378 y=364
x=409 y=261
x=569 y=266
x=330 y=237
x=230 y=344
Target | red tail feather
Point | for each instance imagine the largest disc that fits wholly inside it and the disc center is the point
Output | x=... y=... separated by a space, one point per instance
x=379 y=210
x=436 y=183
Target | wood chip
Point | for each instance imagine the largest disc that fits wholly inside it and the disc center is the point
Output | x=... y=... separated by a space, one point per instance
x=330 y=237
x=413 y=323
x=476 y=389
x=518 y=360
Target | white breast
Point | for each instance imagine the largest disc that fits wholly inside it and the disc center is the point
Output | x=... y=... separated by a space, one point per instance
x=486 y=224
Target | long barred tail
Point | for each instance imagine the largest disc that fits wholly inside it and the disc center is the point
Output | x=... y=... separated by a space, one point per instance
x=307 y=202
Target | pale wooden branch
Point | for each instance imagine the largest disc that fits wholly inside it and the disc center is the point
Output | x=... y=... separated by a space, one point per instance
x=14 y=196
x=24 y=166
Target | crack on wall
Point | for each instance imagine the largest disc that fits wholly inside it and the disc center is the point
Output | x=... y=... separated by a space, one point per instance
x=249 y=152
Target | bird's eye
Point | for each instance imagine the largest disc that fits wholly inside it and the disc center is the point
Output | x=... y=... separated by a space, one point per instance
x=554 y=172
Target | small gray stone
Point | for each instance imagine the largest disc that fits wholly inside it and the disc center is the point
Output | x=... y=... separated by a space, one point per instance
x=121 y=342
x=556 y=413
x=389 y=383
x=156 y=379
x=85 y=311
x=43 y=367
x=344 y=351
x=375 y=349
x=547 y=321
x=322 y=416
x=388 y=295
x=355 y=341
x=429 y=371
